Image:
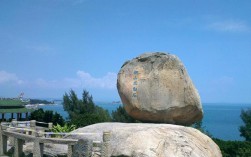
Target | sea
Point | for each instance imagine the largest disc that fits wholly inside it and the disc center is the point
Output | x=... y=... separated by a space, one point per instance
x=221 y=120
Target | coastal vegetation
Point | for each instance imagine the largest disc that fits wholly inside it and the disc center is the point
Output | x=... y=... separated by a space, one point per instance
x=65 y=128
x=120 y=115
x=245 y=129
x=47 y=116
x=83 y=112
x=234 y=148
x=199 y=126
x=38 y=101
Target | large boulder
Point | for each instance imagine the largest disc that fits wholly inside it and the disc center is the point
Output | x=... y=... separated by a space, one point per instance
x=152 y=140
x=155 y=87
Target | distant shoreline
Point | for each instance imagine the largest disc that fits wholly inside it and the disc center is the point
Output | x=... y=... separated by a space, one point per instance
x=39 y=101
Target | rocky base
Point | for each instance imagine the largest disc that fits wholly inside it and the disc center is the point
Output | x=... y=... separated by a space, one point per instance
x=154 y=140
x=141 y=140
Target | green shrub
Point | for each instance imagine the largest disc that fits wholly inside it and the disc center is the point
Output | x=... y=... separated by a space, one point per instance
x=83 y=112
x=66 y=128
x=199 y=125
x=234 y=148
x=120 y=115
x=47 y=117
x=245 y=129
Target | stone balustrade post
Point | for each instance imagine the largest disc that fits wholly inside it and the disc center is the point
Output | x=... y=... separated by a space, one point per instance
x=13 y=124
x=33 y=127
x=38 y=148
x=33 y=123
x=3 y=141
x=18 y=147
x=106 y=146
x=70 y=150
x=83 y=148
x=50 y=125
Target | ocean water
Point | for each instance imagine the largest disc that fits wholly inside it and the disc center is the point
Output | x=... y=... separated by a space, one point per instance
x=221 y=120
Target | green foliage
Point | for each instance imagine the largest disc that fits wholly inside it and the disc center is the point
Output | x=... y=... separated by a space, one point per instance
x=58 y=119
x=47 y=116
x=120 y=115
x=234 y=148
x=66 y=128
x=38 y=101
x=83 y=112
x=245 y=130
x=199 y=125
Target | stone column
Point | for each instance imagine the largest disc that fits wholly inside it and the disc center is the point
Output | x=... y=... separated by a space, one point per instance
x=70 y=150
x=2 y=117
x=33 y=123
x=3 y=141
x=12 y=139
x=18 y=147
x=38 y=148
x=83 y=148
x=106 y=146
x=17 y=116
x=33 y=126
x=14 y=123
x=26 y=116
x=50 y=125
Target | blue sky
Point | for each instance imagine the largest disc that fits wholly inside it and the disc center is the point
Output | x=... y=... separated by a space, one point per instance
x=48 y=47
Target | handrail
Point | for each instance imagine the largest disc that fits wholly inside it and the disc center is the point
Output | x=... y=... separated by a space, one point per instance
x=13 y=130
x=42 y=122
x=47 y=133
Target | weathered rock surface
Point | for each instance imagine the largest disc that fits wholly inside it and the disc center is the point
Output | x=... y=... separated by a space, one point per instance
x=155 y=87
x=153 y=140
x=50 y=150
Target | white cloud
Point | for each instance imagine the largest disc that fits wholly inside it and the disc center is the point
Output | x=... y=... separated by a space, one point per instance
x=229 y=26
x=107 y=81
x=82 y=80
x=6 y=77
x=65 y=83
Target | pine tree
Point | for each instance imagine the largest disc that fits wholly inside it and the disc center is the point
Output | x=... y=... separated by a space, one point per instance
x=245 y=129
x=83 y=112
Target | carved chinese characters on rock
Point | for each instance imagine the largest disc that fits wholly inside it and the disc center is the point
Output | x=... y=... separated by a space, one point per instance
x=135 y=83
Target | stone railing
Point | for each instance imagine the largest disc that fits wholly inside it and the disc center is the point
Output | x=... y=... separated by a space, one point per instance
x=20 y=132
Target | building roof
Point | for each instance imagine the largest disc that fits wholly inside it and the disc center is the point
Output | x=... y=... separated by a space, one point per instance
x=16 y=110
x=12 y=102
